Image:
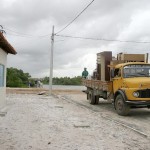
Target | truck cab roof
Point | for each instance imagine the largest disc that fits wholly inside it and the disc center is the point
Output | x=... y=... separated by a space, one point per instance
x=130 y=63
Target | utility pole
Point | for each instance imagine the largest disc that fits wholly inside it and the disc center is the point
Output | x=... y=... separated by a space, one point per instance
x=51 y=62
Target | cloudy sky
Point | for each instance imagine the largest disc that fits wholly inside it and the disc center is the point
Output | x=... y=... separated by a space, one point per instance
x=27 y=21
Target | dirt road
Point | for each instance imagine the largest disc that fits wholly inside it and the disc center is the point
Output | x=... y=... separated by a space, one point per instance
x=67 y=121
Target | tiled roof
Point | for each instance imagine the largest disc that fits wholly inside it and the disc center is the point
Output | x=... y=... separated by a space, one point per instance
x=5 y=45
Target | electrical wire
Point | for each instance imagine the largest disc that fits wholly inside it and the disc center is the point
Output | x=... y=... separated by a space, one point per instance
x=68 y=36
x=23 y=34
x=42 y=36
x=19 y=35
x=74 y=18
x=17 y=32
x=101 y=39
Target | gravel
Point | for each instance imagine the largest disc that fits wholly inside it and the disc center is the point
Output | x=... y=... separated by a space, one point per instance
x=40 y=122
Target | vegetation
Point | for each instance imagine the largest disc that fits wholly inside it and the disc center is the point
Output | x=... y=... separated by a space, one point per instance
x=17 y=78
x=63 y=81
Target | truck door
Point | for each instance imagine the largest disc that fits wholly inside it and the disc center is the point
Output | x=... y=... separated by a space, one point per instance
x=117 y=80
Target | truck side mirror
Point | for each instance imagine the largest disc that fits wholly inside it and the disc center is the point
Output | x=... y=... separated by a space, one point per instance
x=112 y=73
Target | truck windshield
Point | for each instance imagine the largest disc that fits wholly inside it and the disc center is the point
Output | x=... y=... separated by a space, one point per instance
x=137 y=70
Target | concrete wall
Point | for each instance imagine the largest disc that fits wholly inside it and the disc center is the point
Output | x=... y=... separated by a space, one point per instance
x=3 y=61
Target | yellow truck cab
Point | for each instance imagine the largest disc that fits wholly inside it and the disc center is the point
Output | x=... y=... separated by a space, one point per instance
x=131 y=86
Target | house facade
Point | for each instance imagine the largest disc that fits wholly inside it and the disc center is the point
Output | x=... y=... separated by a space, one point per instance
x=5 y=49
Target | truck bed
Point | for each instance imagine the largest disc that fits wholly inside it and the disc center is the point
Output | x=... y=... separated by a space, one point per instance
x=97 y=84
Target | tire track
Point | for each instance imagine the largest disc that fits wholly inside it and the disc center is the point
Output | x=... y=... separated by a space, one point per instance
x=95 y=111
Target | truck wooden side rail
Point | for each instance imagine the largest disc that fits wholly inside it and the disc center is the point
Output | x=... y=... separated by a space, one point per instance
x=97 y=89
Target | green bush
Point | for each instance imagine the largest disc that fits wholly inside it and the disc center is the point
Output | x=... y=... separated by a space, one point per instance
x=17 y=78
x=64 y=81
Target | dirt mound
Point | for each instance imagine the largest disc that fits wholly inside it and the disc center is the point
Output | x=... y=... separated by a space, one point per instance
x=38 y=90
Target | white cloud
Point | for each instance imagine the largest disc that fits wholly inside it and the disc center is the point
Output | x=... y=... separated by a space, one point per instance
x=115 y=19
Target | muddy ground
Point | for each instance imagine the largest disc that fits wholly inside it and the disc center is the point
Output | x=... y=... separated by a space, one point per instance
x=66 y=121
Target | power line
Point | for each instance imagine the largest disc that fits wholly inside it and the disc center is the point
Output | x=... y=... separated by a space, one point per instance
x=42 y=36
x=101 y=39
x=75 y=18
x=24 y=34
x=19 y=35
x=17 y=32
x=59 y=41
x=68 y=36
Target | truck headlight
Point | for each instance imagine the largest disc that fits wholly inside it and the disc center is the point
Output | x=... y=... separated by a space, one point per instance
x=136 y=94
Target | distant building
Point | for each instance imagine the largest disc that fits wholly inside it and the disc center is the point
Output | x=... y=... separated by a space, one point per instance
x=5 y=48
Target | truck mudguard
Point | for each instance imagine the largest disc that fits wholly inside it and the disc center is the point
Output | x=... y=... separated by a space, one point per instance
x=122 y=93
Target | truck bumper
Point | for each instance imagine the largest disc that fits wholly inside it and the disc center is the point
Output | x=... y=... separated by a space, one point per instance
x=138 y=104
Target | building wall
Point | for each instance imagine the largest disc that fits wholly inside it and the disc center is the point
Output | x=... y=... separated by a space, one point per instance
x=3 y=60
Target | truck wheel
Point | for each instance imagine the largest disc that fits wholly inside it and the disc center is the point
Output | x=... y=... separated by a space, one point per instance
x=92 y=98
x=96 y=99
x=121 y=108
x=88 y=96
x=88 y=93
x=104 y=94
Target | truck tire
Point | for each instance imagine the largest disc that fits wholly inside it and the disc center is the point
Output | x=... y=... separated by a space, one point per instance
x=104 y=94
x=96 y=99
x=88 y=96
x=88 y=93
x=121 y=107
x=92 y=98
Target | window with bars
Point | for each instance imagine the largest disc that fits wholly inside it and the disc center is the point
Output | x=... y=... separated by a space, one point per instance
x=1 y=75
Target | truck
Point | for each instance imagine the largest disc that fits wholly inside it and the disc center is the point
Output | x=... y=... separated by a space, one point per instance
x=124 y=80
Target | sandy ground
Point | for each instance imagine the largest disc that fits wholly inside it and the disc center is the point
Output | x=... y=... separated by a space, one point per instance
x=61 y=122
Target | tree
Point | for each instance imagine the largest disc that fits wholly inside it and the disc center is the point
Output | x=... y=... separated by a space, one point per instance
x=17 y=78
x=64 y=81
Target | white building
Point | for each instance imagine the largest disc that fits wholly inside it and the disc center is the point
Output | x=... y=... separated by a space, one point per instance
x=5 y=48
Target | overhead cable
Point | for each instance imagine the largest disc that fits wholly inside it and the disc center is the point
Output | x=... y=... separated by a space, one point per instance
x=17 y=32
x=75 y=18
x=24 y=34
x=101 y=39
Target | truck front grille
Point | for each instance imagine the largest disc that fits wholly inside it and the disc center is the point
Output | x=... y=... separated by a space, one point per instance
x=144 y=93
